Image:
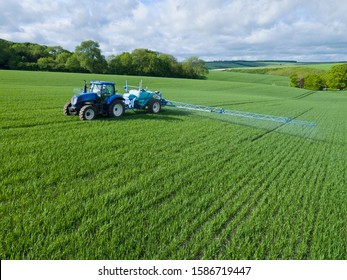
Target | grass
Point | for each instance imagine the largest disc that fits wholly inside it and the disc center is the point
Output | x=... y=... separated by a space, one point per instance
x=177 y=185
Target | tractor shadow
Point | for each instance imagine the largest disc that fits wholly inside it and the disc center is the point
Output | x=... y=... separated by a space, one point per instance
x=164 y=115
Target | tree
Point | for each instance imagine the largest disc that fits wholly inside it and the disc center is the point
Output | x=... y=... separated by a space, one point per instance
x=314 y=82
x=55 y=51
x=90 y=57
x=61 y=60
x=35 y=52
x=294 y=80
x=121 y=64
x=194 y=67
x=168 y=66
x=47 y=63
x=73 y=64
x=5 y=53
x=144 y=62
x=336 y=77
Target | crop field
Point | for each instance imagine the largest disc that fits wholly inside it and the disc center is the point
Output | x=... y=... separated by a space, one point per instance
x=174 y=185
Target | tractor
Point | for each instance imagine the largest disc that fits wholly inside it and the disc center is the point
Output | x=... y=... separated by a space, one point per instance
x=102 y=99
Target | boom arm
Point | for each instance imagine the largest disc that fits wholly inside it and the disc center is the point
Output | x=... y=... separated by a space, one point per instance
x=235 y=113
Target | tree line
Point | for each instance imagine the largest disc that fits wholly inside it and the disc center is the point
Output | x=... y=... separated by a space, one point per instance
x=87 y=58
x=335 y=79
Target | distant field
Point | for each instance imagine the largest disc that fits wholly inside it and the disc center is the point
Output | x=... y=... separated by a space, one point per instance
x=280 y=71
x=321 y=66
x=273 y=64
x=246 y=64
x=177 y=185
x=300 y=69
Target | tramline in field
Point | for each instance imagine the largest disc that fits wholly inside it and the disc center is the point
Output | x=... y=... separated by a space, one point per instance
x=103 y=99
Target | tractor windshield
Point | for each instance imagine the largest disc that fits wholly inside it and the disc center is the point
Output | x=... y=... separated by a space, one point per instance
x=95 y=88
x=105 y=89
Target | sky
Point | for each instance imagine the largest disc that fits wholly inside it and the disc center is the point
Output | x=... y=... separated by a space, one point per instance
x=302 y=30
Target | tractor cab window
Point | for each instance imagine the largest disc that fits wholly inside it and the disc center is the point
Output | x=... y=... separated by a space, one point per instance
x=95 y=88
x=107 y=89
x=102 y=90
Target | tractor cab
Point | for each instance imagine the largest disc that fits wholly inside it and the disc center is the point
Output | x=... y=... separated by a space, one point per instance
x=100 y=99
x=102 y=89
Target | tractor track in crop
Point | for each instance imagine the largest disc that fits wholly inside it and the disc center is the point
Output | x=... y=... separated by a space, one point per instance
x=242 y=212
x=317 y=193
x=299 y=205
x=214 y=209
x=271 y=214
x=228 y=196
x=294 y=204
x=304 y=95
x=165 y=199
x=247 y=208
x=302 y=204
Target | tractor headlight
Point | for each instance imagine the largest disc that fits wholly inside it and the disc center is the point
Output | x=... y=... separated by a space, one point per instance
x=74 y=100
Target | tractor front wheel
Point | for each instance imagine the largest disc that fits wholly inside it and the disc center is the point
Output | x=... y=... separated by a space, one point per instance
x=66 y=109
x=154 y=106
x=116 y=109
x=87 y=113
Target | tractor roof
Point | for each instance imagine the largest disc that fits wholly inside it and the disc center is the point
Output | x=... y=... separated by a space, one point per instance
x=102 y=83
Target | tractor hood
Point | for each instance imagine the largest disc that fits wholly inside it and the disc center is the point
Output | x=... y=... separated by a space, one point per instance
x=83 y=97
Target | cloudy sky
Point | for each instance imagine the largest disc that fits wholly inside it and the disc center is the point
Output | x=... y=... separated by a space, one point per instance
x=303 y=30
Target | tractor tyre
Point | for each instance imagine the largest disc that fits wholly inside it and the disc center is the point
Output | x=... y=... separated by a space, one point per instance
x=154 y=106
x=87 y=113
x=66 y=109
x=116 y=109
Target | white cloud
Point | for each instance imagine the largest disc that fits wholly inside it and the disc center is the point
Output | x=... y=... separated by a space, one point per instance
x=221 y=29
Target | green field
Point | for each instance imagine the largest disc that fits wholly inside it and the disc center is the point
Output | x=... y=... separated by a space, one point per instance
x=176 y=185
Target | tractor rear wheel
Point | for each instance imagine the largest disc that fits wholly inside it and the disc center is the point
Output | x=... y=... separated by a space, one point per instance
x=154 y=106
x=116 y=109
x=66 y=109
x=87 y=113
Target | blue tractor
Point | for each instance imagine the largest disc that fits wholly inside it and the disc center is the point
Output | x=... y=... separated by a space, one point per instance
x=102 y=99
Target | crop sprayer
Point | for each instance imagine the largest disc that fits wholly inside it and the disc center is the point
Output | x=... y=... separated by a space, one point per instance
x=102 y=99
